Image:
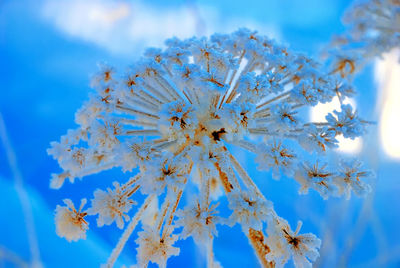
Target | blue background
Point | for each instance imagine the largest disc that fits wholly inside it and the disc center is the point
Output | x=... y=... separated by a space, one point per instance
x=44 y=78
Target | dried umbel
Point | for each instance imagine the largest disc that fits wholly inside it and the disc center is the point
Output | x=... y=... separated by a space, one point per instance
x=176 y=113
x=373 y=28
x=376 y=24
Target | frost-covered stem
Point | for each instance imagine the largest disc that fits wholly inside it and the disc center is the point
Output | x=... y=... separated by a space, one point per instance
x=156 y=93
x=161 y=216
x=237 y=83
x=262 y=121
x=167 y=69
x=245 y=70
x=317 y=124
x=235 y=71
x=297 y=130
x=205 y=188
x=57 y=183
x=171 y=214
x=135 y=96
x=168 y=88
x=339 y=98
x=181 y=148
x=287 y=79
x=95 y=169
x=263 y=116
x=367 y=122
x=215 y=99
x=247 y=146
x=262 y=112
x=127 y=233
x=137 y=112
x=131 y=192
x=259 y=130
x=196 y=95
x=273 y=99
x=148 y=97
x=264 y=131
x=131 y=182
x=224 y=179
x=231 y=96
x=226 y=75
x=138 y=102
x=136 y=123
x=256 y=239
x=157 y=141
x=22 y=194
x=165 y=145
x=222 y=99
x=142 y=132
x=245 y=177
x=210 y=253
x=191 y=94
x=187 y=96
x=297 y=106
x=178 y=198
x=227 y=176
x=207 y=192
x=228 y=90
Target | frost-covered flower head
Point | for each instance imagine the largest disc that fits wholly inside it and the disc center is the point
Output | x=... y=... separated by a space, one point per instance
x=376 y=23
x=70 y=222
x=176 y=112
x=286 y=244
x=373 y=28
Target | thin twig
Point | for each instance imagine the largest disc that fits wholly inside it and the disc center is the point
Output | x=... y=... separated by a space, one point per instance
x=127 y=233
x=22 y=195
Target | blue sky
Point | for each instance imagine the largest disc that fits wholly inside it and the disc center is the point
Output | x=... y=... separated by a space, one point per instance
x=48 y=49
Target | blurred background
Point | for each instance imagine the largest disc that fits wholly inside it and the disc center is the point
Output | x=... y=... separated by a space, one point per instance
x=49 y=49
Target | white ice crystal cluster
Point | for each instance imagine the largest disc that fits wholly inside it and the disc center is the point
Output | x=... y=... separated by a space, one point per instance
x=70 y=222
x=175 y=114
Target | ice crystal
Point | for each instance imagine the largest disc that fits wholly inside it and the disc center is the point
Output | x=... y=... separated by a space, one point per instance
x=70 y=222
x=112 y=205
x=176 y=113
x=198 y=222
x=154 y=248
x=285 y=244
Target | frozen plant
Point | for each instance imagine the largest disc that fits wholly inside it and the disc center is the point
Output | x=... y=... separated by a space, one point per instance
x=373 y=28
x=175 y=115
